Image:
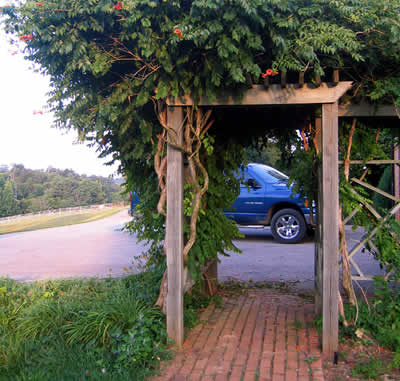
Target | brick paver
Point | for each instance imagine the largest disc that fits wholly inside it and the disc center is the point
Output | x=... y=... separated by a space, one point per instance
x=261 y=336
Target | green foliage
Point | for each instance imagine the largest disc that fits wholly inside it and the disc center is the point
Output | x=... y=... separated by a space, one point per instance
x=194 y=301
x=381 y=317
x=78 y=329
x=368 y=369
x=25 y=190
x=383 y=204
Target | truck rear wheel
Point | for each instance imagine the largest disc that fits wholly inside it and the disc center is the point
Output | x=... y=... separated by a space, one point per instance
x=288 y=226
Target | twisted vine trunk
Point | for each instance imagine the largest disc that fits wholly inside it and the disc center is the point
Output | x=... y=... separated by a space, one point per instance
x=196 y=125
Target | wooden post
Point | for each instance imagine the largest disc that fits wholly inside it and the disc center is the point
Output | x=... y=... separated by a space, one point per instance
x=330 y=228
x=174 y=227
x=318 y=286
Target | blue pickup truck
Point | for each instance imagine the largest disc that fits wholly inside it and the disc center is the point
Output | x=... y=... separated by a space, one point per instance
x=266 y=200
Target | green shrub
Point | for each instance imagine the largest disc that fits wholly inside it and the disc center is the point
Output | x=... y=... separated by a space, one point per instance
x=381 y=203
x=382 y=317
x=80 y=329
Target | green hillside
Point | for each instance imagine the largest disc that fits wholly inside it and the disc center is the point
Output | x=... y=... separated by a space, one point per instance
x=25 y=190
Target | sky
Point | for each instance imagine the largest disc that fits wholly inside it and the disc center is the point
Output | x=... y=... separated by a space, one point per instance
x=26 y=133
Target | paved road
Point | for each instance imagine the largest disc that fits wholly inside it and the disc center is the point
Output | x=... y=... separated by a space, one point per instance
x=100 y=249
x=263 y=259
x=92 y=249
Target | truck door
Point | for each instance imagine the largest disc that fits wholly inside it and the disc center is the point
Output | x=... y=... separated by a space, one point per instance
x=249 y=208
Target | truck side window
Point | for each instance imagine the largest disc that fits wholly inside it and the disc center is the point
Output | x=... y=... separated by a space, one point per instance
x=248 y=180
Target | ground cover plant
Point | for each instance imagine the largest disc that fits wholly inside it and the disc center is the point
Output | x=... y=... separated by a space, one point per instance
x=81 y=329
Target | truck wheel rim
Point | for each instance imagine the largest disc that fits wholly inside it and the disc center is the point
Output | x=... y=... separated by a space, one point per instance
x=287 y=227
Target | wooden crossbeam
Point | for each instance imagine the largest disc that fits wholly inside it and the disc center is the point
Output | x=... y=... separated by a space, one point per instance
x=377 y=190
x=376 y=162
x=367 y=206
x=367 y=110
x=275 y=95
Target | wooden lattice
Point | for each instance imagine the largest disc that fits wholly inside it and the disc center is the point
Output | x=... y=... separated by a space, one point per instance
x=367 y=239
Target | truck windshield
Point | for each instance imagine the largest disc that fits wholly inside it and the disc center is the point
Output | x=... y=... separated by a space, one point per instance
x=272 y=174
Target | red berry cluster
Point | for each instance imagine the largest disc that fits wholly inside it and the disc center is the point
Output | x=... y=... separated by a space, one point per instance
x=178 y=33
x=26 y=37
x=118 y=6
x=268 y=73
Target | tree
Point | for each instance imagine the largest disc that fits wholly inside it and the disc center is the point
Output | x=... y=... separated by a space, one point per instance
x=7 y=200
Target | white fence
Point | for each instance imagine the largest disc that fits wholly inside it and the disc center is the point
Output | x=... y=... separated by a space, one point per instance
x=52 y=212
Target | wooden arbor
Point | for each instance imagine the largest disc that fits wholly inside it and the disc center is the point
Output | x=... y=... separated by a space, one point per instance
x=323 y=95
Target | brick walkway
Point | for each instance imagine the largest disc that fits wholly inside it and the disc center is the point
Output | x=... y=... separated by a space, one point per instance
x=261 y=336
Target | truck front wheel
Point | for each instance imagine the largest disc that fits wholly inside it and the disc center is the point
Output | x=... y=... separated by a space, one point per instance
x=288 y=226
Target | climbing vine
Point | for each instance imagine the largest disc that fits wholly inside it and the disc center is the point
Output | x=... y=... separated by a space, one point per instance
x=113 y=64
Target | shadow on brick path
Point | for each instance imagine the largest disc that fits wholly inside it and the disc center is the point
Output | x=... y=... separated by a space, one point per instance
x=261 y=336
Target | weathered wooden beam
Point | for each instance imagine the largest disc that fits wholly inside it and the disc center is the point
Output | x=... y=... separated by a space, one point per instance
x=335 y=76
x=301 y=79
x=377 y=162
x=330 y=228
x=283 y=79
x=249 y=81
x=318 y=263
x=367 y=110
x=266 y=83
x=174 y=228
x=275 y=95
x=377 y=190
x=318 y=81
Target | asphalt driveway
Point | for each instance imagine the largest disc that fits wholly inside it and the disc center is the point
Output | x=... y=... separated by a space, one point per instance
x=101 y=249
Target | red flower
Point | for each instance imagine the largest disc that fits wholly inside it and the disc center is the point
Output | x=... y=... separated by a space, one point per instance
x=39 y=4
x=268 y=73
x=37 y=112
x=26 y=37
x=118 y=6
x=178 y=33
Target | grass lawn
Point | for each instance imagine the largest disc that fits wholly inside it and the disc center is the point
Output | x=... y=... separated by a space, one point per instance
x=81 y=329
x=45 y=222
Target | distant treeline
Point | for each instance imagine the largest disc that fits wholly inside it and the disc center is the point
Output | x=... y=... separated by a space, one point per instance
x=25 y=190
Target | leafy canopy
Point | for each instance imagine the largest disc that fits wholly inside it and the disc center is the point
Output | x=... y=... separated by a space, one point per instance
x=108 y=62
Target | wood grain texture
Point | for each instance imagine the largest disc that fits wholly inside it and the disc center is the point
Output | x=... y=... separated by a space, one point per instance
x=275 y=95
x=330 y=228
x=174 y=229
x=367 y=110
x=318 y=286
